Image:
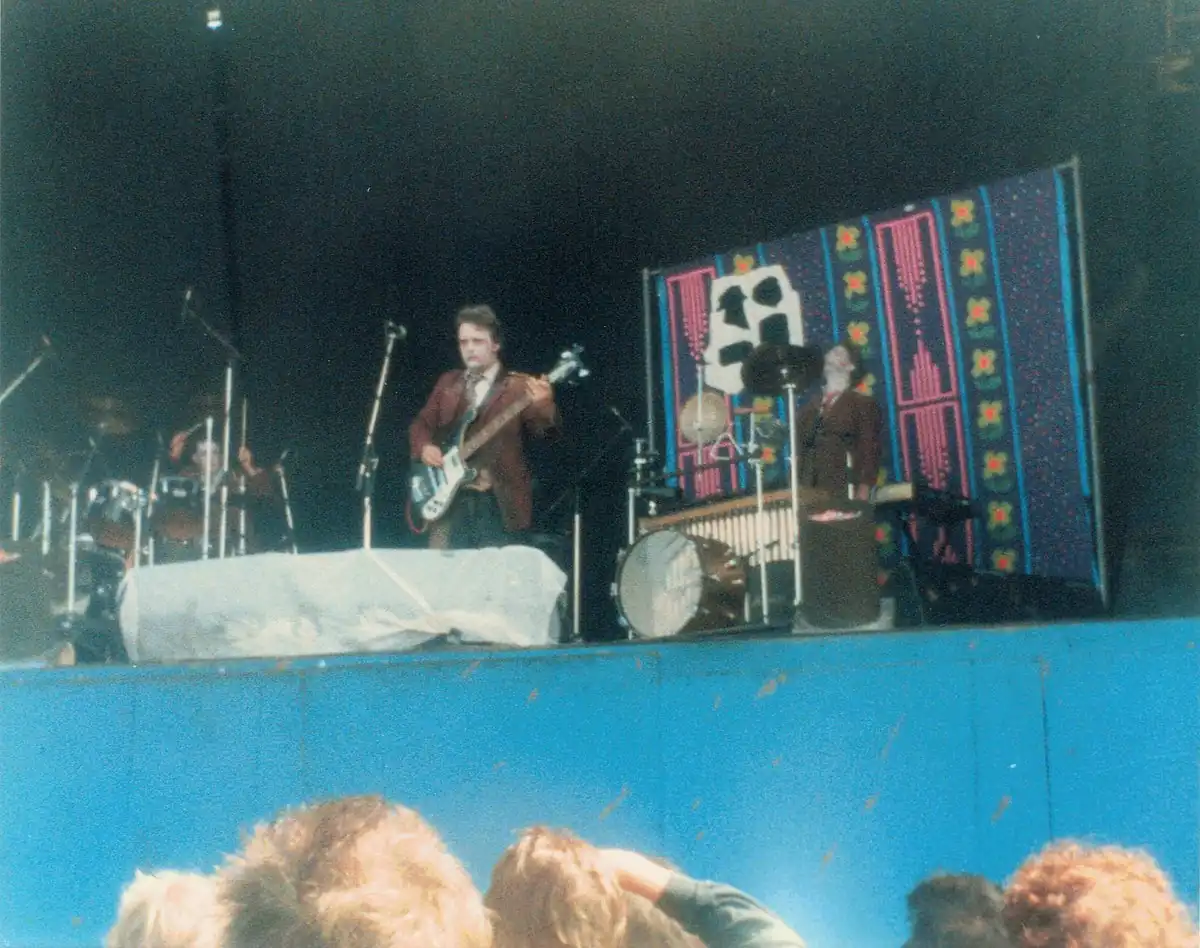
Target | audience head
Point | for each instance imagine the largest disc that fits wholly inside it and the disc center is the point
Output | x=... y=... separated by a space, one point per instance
x=350 y=873
x=1075 y=896
x=957 y=911
x=168 y=910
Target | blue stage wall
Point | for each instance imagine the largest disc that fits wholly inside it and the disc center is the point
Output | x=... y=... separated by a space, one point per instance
x=826 y=776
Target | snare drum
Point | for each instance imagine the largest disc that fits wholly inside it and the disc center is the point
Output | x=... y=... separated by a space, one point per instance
x=670 y=583
x=112 y=507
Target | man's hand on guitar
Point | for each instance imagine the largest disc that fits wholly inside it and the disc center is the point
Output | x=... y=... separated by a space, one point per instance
x=538 y=390
x=431 y=454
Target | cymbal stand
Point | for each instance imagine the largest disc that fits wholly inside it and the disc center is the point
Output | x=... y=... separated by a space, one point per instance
x=754 y=450
x=16 y=383
x=208 y=484
x=72 y=548
x=16 y=516
x=223 y=529
x=794 y=463
x=232 y=356
x=369 y=463
x=150 y=499
x=242 y=490
x=47 y=517
x=287 y=502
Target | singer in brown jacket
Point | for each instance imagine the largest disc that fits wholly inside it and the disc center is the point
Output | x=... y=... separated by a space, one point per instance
x=839 y=432
x=500 y=501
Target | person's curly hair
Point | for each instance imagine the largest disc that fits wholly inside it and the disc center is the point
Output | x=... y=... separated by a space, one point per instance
x=957 y=911
x=168 y=909
x=548 y=891
x=350 y=873
x=1075 y=896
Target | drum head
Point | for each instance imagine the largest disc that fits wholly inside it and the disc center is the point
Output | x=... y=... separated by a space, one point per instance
x=660 y=584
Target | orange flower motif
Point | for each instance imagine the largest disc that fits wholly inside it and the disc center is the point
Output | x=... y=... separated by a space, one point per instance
x=768 y=455
x=859 y=332
x=995 y=463
x=985 y=362
x=763 y=405
x=1004 y=561
x=979 y=311
x=847 y=237
x=999 y=513
x=990 y=413
x=743 y=264
x=856 y=283
x=867 y=385
x=971 y=263
x=962 y=213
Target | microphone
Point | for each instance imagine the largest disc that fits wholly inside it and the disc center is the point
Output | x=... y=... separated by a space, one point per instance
x=621 y=418
x=396 y=330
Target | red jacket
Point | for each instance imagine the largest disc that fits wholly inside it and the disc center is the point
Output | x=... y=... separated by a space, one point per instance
x=504 y=454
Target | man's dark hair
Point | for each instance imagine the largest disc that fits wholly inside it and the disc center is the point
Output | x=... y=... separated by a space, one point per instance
x=480 y=315
x=957 y=911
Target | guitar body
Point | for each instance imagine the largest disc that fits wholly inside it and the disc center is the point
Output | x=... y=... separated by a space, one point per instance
x=433 y=489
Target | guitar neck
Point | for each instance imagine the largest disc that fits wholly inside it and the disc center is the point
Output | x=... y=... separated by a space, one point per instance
x=488 y=431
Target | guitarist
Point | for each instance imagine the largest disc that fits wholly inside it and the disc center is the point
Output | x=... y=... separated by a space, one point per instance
x=500 y=501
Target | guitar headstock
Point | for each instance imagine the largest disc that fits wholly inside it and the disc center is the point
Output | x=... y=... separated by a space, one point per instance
x=570 y=368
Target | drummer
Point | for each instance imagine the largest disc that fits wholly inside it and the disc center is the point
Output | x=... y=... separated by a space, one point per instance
x=206 y=461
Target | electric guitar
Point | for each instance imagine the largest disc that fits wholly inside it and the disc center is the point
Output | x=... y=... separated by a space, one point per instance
x=433 y=489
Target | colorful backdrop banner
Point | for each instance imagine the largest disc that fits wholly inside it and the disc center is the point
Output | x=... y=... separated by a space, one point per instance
x=965 y=312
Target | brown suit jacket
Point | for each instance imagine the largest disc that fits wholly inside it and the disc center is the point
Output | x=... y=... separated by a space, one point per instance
x=853 y=424
x=504 y=455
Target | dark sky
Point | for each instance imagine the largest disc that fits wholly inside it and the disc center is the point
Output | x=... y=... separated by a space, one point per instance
x=396 y=160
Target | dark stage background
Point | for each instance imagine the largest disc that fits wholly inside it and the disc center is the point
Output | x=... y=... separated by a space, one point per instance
x=397 y=160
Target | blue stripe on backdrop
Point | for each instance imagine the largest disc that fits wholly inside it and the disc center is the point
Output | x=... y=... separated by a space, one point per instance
x=1068 y=297
x=669 y=456
x=1018 y=459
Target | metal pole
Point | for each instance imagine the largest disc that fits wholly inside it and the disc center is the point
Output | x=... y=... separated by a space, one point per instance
x=150 y=510
x=16 y=515
x=647 y=327
x=287 y=507
x=47 y=518
x=1090 y=371
x=790 y=389
x=223 y=531
x=577 y=570
x=137 y=535
x=73 y=550
x=208 y=433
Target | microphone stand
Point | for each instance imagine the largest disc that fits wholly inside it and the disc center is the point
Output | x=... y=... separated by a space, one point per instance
x=576 y=493
x=369 y=463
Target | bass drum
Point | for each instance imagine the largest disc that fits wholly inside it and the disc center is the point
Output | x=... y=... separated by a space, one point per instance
x=670 y=583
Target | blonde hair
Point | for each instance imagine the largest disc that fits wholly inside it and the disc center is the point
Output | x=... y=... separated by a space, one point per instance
x=351 y=873
x=1075 y=896
x=168 y=909
x=548 y=891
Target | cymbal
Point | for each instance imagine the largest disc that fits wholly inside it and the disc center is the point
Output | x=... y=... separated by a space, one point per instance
x=110 y=416
x=208 y=404
x=704 y=418
x=772 y=367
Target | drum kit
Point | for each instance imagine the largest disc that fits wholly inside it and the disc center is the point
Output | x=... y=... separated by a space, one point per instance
x=673 y=582
x=94 y=528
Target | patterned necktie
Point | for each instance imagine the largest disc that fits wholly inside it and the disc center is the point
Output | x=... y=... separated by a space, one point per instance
x=473 y=388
